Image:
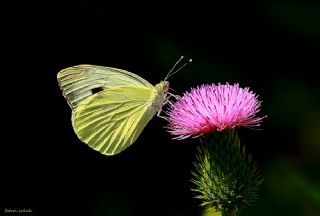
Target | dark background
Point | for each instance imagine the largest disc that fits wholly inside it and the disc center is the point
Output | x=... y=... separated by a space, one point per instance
x=273 y=48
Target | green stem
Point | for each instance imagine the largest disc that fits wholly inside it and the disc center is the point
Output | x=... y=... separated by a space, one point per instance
x=230 y=212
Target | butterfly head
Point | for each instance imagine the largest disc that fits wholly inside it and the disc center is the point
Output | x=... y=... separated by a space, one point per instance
x=163 y=87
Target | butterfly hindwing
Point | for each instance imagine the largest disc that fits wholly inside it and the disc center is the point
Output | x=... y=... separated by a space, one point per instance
x=111 y=120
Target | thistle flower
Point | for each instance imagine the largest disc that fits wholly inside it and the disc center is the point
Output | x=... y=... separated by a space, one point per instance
x=225 y=176
x=210 y=108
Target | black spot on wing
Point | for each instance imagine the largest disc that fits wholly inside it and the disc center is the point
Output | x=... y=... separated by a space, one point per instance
x=96 y=90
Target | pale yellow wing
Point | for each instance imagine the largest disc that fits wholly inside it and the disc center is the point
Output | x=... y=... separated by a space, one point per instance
x=111 y=120
x=80 y=82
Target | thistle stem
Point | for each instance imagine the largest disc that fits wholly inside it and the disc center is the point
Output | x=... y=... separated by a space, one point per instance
x=231 y=212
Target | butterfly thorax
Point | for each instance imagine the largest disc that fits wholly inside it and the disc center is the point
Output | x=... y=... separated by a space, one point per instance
x=161 y=91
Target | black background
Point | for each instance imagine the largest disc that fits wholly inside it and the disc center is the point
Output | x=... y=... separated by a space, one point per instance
x=273 y=48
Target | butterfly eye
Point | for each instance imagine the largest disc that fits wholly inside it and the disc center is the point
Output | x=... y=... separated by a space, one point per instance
x=96 y=90
x=166 y=86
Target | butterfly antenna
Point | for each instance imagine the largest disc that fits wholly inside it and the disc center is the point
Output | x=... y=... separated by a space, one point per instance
x=171 y=72
x=174 y=66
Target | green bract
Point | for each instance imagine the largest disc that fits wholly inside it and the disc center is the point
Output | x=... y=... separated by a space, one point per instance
x=225 y=177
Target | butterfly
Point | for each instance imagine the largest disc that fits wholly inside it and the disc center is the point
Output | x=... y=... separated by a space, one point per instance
x=111 y=106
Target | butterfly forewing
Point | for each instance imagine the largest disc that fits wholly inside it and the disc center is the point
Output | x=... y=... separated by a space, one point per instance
x=79 y=82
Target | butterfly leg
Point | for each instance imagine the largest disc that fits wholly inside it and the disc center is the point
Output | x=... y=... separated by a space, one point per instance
x=172 y=95
x=167 y=101
x=159 y=112
x=160 y=116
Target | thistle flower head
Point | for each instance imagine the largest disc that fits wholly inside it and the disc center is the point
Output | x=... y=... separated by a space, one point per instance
x=210 y=108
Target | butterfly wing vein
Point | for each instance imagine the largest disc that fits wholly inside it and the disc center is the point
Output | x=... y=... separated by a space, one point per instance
x=111 y=120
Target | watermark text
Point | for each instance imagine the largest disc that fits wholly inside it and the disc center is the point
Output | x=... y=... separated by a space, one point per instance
x=17 y=210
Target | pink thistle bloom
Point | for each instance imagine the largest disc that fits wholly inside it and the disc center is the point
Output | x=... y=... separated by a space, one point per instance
x=211 y=108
